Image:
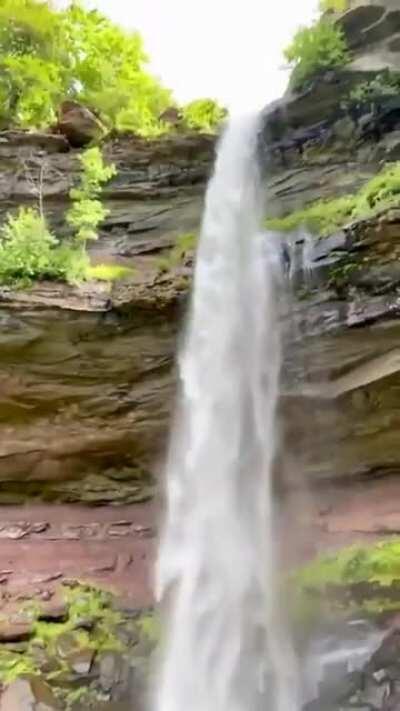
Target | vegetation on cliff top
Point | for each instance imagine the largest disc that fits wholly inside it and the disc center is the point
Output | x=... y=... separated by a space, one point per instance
x=49 y=55
x=324 y=217
x=314 y=50
x=203 y=115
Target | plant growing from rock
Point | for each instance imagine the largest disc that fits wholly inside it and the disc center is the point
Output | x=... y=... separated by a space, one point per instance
x=87 y=211
x=27 y=248
x=322 y=217
x=384 y=84
x=314 y=50
x=30 y=251
x=329 y=583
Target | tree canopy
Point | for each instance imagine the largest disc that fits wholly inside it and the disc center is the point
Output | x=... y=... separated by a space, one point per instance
x=47 y=56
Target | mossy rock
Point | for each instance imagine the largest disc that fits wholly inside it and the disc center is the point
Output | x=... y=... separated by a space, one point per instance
x=325 y=217
x=67 y=652
x=355 y=580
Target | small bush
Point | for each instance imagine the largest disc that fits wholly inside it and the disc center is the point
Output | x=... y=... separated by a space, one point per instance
x=379 y=562
x=30 y=252
x=384 y=84
x=26 y=248
x=323 y=587
x=87 y=211
x=314 y=50
x=203 y=115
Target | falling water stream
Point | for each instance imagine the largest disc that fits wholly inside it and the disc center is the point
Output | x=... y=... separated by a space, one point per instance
x=226 y=648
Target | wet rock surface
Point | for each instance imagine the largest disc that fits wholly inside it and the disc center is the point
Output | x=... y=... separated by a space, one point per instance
x=374 y=686
x=28 y=694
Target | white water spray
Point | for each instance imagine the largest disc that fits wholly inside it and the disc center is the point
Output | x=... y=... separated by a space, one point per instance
x=225 y=649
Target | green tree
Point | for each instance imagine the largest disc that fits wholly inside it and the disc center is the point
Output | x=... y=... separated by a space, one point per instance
x=26 y=247
x=316 y=49
x=47 y=56
x=108 y=70
x=87 y=211
x=203 y=115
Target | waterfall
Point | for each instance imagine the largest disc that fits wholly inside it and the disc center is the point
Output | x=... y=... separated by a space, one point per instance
x=225 y=647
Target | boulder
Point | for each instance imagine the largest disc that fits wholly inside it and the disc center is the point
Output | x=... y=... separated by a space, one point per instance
x=28 y=694
x=172 y=116
x=15 y=631
x=79 y=124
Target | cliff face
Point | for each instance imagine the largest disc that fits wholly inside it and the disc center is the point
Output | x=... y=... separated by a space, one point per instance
x=318 y=143
x=342 y=424
x=86 y=374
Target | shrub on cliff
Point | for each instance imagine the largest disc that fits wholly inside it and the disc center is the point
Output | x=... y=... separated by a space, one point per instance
x=87 y=211
x=28 y=249
x=326 y=583
x=203 y=115
x=384 y=84
x=314 y=50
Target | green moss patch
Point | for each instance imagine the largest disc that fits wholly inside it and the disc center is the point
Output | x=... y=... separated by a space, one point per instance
x=108 y=272
x=324 y=217
x=357 y=578
x=61 y=650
